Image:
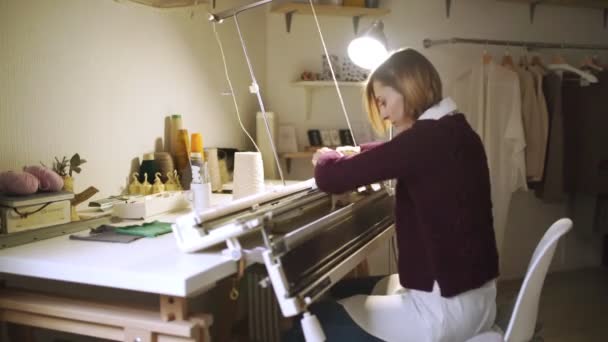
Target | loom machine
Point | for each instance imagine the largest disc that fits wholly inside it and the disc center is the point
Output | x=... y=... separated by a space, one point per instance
x=306 y=239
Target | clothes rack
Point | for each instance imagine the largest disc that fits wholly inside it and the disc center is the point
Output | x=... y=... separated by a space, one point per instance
x=513 y=43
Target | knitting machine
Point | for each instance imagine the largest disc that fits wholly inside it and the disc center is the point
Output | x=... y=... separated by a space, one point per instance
x=307 y=239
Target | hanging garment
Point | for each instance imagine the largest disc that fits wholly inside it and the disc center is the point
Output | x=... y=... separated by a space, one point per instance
x=543 y=113
x=393 y=313
x=585 y=111
x=490 y=97
x=534 y=127
x=551 y=189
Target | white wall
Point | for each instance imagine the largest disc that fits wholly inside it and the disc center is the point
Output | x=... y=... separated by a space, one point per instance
x=408 y=24
x=98 y=77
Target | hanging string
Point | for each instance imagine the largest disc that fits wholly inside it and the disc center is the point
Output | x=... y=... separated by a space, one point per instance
x=256 y=89
x=236 y=106
x=333 y=74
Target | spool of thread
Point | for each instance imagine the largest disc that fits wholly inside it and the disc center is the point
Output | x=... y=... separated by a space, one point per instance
x=182 y=158
x=224 y=173
x=148 y=166
x=214 y=169
x=176 y=125
x=165 y=164
x=248 y=174
x=196 y=143
x=263 y=142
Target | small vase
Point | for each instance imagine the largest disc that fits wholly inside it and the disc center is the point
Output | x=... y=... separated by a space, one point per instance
x=68 y=183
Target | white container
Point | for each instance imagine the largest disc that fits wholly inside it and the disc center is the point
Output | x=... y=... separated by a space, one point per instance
x=151 y=205
x=201 y=196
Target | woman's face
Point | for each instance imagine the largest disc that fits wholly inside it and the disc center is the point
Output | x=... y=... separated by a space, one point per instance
x=392 y=106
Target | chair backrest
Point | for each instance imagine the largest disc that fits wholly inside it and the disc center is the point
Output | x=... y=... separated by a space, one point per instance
x=523 y=319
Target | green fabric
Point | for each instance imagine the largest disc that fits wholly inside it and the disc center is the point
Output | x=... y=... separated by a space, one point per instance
x=150 y=229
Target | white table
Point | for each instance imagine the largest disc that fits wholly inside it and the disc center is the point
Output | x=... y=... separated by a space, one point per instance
x=151 y=265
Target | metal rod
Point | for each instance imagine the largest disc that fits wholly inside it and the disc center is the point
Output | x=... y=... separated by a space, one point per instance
x=219 y=17
x=256 y=88
x=530 y=45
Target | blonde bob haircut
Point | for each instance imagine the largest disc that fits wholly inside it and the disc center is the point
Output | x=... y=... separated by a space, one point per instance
x=413 y=76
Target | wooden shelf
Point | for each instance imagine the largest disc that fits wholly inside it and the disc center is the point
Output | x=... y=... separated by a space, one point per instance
x=310 y=86
x=329 y=10
x=290 y=8
x=599 y=4
x=296 y=155
x=170 y=3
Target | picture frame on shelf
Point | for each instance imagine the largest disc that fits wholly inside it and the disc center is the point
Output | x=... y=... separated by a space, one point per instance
x=335 y=137
x=314 y=138
x=287 y=141
x=346 y=139
x=326 y=137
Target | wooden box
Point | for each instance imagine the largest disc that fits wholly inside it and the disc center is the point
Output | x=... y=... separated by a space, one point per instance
x=19 y=213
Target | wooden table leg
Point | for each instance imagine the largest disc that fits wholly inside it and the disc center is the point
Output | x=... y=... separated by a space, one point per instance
x=176 y=309
x=173 y=308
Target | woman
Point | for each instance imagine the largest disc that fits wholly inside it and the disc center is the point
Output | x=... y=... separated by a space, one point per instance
x=445 y=289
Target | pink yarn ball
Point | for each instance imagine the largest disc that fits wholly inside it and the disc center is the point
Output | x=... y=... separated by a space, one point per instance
x=18 y=183
x=49 y=180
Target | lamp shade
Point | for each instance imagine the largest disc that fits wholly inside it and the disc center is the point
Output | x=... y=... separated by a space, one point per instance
x=369 y=49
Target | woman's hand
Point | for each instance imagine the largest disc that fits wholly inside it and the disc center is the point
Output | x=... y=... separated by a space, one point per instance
x=348 y=150
x=319 y=153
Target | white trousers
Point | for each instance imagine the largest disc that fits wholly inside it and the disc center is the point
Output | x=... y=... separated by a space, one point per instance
x=392 y=313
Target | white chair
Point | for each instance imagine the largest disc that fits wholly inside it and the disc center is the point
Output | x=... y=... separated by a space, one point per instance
x=489 y=336
x=522 y=321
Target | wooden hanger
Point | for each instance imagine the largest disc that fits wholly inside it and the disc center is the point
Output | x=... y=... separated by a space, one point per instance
x=486 y=58
x=507 y=61
x=537 y=61
x=558 y=59
x=523 y=61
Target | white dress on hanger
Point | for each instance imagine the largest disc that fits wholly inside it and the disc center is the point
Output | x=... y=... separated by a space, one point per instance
x=535 y=125
x=489 y=97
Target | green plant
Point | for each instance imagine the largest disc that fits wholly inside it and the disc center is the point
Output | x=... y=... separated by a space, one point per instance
x=75 y=163
x=64 y=166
